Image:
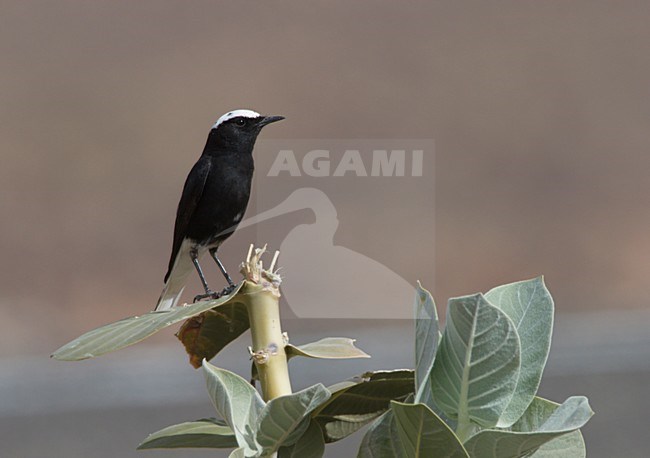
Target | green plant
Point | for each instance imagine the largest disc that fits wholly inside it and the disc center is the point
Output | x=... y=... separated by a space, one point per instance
x=476 y=384
x=472 y=392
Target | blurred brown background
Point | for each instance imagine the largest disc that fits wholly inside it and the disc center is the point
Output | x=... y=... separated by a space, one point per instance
x=539 y=111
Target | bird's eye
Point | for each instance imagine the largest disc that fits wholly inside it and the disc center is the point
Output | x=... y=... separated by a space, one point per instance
x=241 y=122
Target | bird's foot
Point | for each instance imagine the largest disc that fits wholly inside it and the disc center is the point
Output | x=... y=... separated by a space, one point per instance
x=227 y=290
x=213 y=295
x=208 y=294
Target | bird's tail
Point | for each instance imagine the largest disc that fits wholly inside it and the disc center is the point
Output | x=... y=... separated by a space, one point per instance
x=175 y=283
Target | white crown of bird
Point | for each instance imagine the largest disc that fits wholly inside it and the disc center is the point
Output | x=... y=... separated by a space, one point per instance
x=236 y=114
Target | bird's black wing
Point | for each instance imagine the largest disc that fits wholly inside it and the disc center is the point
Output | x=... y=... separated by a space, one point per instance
x=192 y=192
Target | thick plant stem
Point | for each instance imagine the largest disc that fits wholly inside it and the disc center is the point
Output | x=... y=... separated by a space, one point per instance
x=268 y=344
x=464 y=430
x=263 y=302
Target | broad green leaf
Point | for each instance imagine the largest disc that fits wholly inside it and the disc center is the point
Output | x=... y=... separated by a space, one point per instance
x=310 y=445
x=382 y=439
x=238 y=453
x=236 y=401
x=530 y=306
x=206 y=433
x=128 y=331
x=427 y=336
x=543 y=414
x=423 y=434
x=282 y=421
x=573 y=413
x=341 y=426
x=477 y=365
x=327 y=348
x=570 y=445
x=206 y=334
x=536 y=414
x=356 y=402
x=535 y=428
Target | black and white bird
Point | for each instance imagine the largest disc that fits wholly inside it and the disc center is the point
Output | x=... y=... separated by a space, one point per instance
x=213 y=202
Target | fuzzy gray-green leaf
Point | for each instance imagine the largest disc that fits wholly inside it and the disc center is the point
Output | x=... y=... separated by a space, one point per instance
x=358 y=401
x=236 y=401
x=571 y=445
x=542 y=422
x=238 y=453
x=280 y=421
x=131 y=330
x=530 y=306
x=382 y=439
x=477 y=365
x=423 y=434
x=310 y=445
x=427 y=335
x=206 y=433
x=327 y=348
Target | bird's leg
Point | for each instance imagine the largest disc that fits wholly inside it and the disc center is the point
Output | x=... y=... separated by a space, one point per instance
x=208 y=292
x=213 y=253
x=231 y=285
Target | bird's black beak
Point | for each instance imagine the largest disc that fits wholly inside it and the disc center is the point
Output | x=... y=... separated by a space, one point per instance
x=268 y=120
